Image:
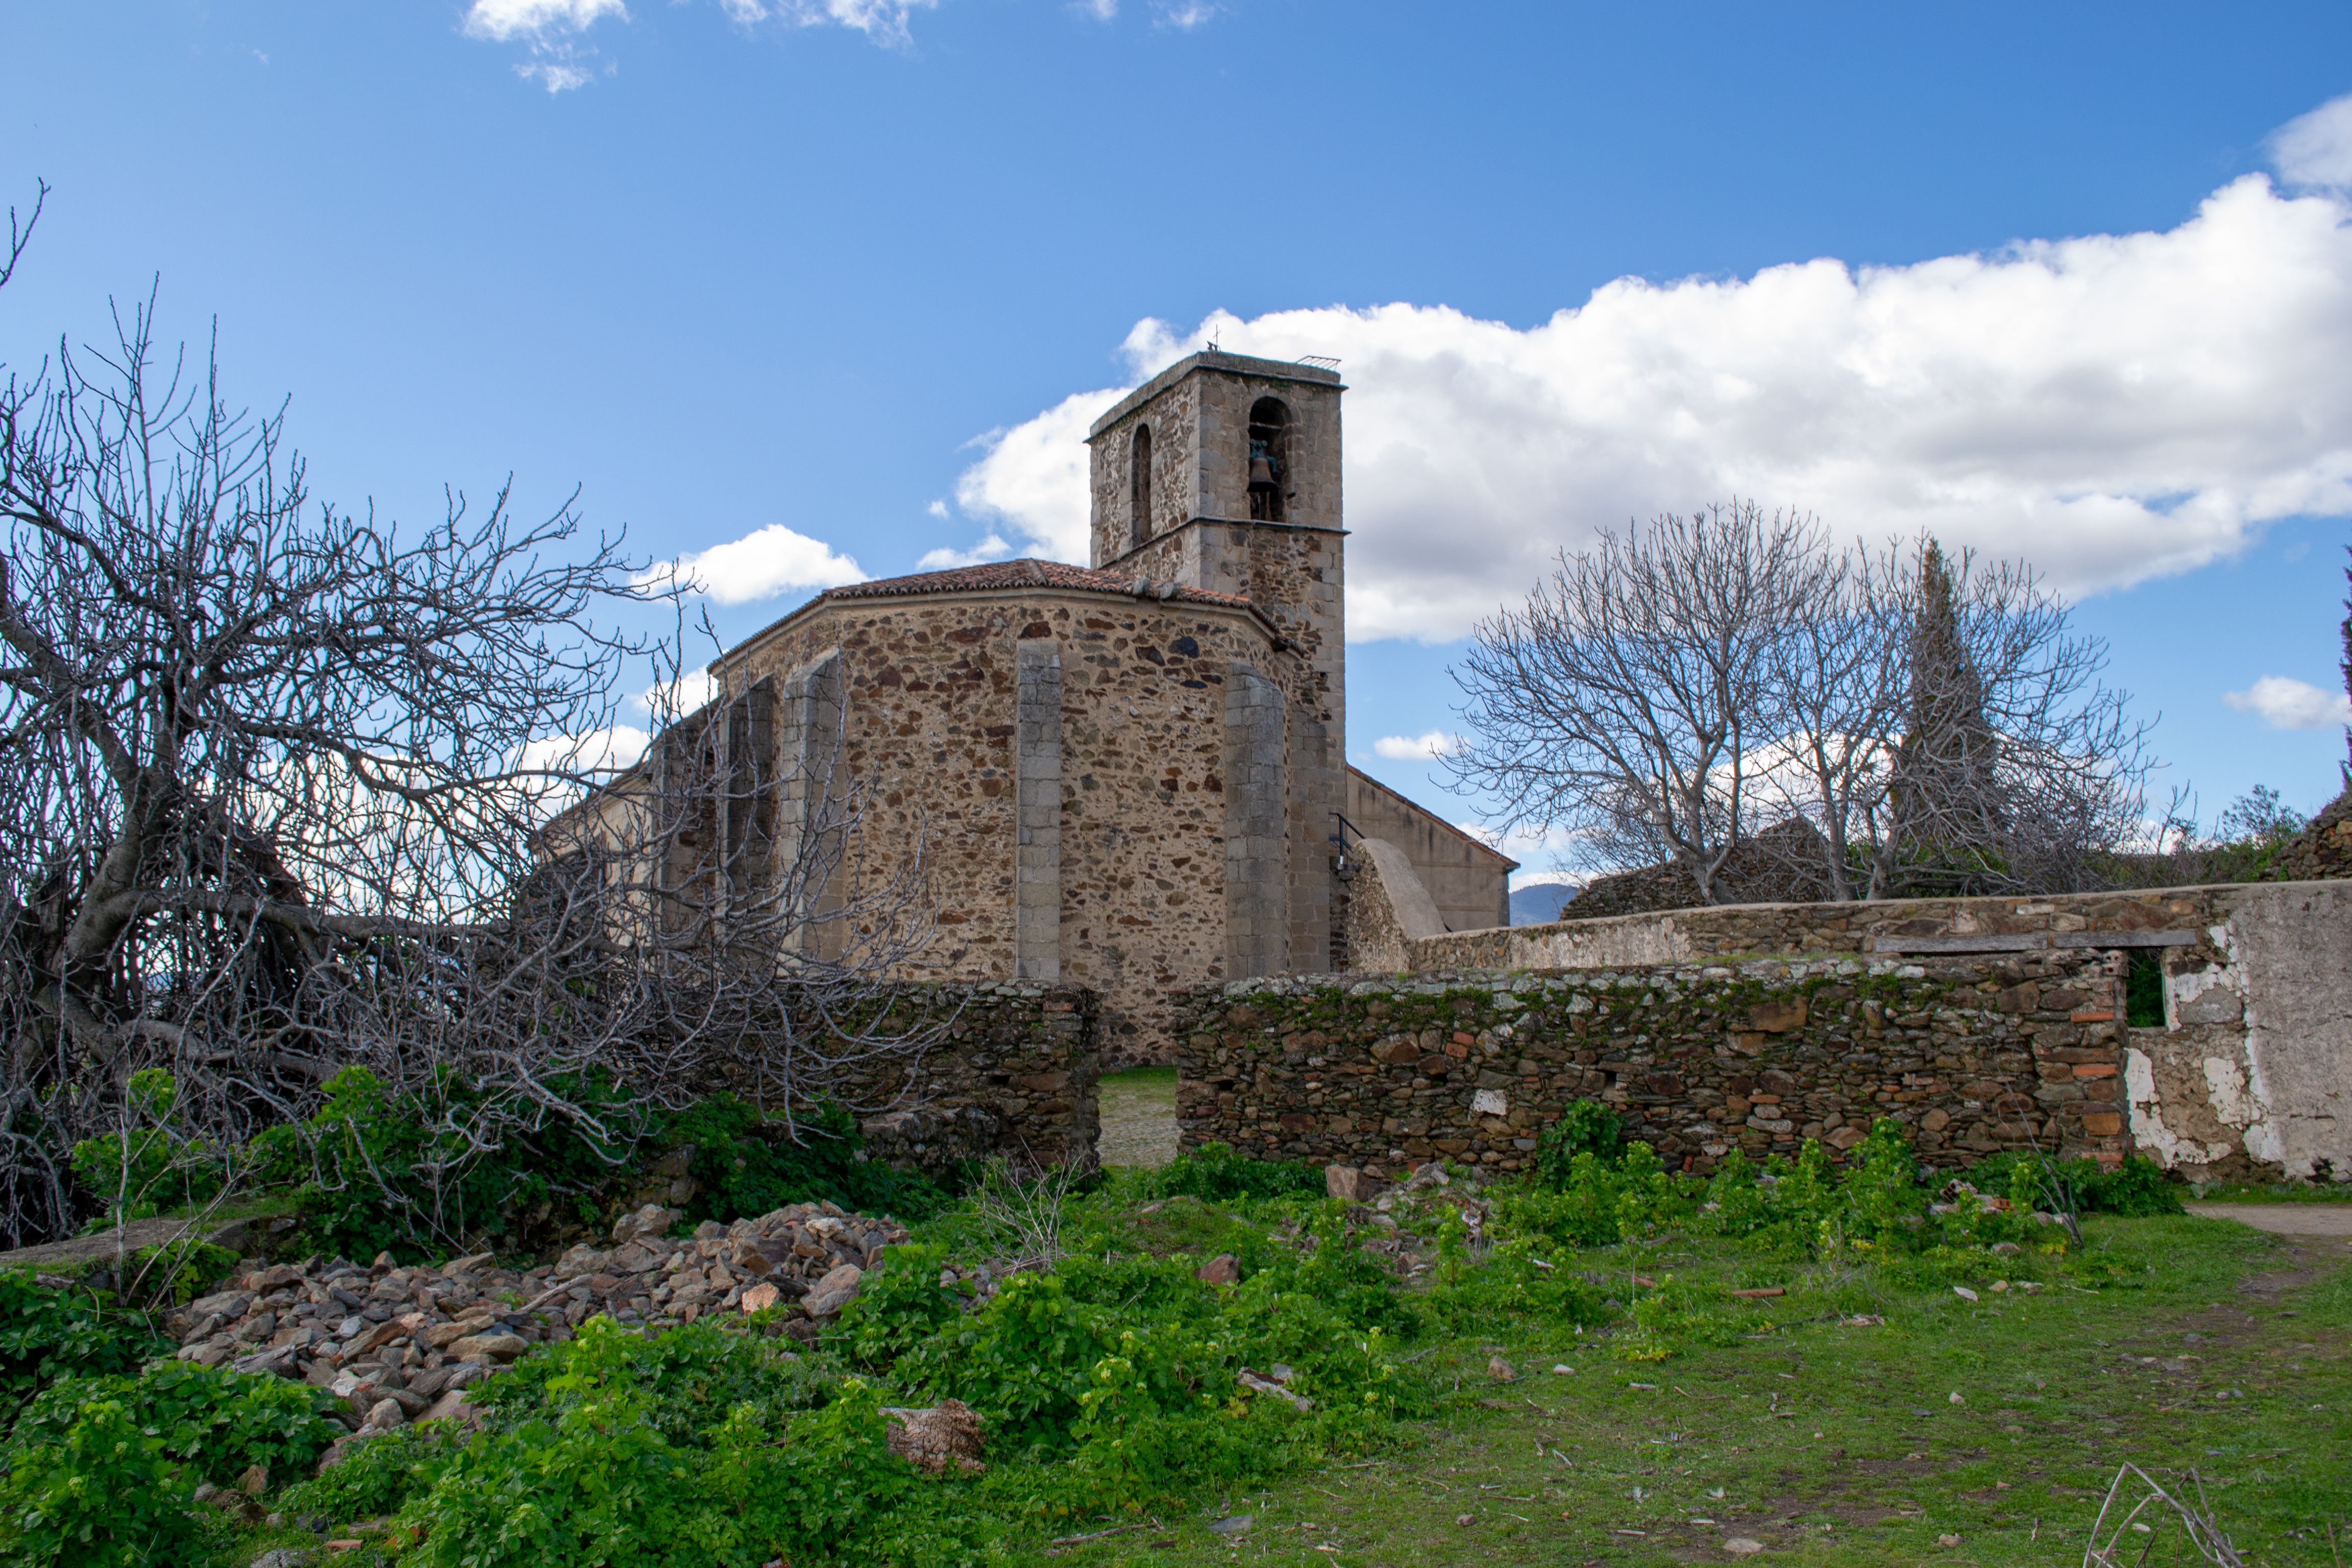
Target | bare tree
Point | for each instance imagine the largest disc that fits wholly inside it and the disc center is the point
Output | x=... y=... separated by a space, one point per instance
x=1732 y=696
x=1624 y=700
x=276 y=791
x=1948 y=732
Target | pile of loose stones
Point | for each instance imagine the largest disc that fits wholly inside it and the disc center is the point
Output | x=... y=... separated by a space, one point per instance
x=401 y=1344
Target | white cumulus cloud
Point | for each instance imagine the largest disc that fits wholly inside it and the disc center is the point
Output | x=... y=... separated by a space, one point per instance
x=2315 y=149
x=884 y=19
x=503 y=21
x=559 y=60
x=756 y=566
x=595 y=751
x=2114 y=407
x=689 y=691
x=1410 y=747
x=993 y=548
x=2285 y=703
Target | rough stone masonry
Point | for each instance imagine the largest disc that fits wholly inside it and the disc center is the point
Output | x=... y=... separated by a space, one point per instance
x=1972 y=1055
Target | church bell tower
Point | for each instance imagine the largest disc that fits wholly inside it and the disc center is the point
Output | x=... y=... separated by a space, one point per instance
x=1222 y=473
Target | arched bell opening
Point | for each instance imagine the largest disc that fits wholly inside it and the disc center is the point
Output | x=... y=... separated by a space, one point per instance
x=1269 y=460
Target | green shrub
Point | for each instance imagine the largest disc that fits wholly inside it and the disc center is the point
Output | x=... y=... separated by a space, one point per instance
x=413 y=1175
x=687 y=1379
x=1587 y=1127
x=1214 y=1173
x=212 y=1420
x=46 y=1335
x=2136 y=1187
x=604 y=1484
x=151 y=1164
x=1596 y=1203
x=103 y=1495
x=374 y=1478
x=741 y=1171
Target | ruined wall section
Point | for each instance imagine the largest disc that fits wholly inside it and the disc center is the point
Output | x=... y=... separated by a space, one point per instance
x=1012 y=1072
x=2250 y=1073
x=1972 y=1056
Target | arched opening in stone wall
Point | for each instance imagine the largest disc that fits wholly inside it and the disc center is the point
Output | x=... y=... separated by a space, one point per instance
x=1138 y=496
x=1269 y=459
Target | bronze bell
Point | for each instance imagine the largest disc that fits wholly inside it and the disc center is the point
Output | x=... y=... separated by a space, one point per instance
x=1261 y=472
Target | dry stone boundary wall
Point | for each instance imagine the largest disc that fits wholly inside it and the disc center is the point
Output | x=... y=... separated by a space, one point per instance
x=1014 y=1074
x=2249 y=1073
x=1972 y=1055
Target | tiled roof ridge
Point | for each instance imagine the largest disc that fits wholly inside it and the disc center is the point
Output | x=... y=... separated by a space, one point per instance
x=1029 y=572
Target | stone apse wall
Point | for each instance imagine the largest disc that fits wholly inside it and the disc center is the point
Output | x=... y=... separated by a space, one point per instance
x=2250 y=1071
x=1972 y=1055
x=1125 y=793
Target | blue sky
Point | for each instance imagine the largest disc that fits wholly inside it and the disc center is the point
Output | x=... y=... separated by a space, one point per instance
x=857 y=269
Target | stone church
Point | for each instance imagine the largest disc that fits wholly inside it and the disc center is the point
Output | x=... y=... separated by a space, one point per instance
x=1130 y=776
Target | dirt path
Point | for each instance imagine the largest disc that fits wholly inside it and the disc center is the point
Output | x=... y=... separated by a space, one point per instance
x=2284 y=1219
x=1138 y=1117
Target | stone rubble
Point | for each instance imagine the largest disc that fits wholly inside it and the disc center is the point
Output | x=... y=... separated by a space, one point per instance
x=402 y=1344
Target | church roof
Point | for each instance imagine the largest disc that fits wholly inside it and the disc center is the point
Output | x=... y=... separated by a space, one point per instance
x=1030 y=573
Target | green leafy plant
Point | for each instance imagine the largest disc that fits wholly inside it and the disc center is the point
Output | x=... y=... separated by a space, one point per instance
x=152 y=1164
x=374 y=1478
x=745 y=1164
x=1213 y=1172
x=1587 y=1127
x=46 y=1335
x=104 y=1495
x=212 y=1420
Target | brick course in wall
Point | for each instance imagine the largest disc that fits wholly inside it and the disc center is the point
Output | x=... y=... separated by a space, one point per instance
x=1971 y=1055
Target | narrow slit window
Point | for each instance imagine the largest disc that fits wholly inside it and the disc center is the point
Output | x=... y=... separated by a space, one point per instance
x=1139 y=498
x=2144 y=989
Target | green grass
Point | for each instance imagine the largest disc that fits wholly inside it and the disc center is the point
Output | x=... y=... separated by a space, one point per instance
x=1138 y=1117
x=2275 y=1192
x=2177 y=1343
x=1836 y=1445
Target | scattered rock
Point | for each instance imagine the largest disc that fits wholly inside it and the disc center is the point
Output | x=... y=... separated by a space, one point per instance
x=1563 y=1369
x=1233 y=1525
x=255 y=1481
x=400 y=1344
x=1257 y=1385
x=1225 y=1269
x=283 y=1557
x=947 y=1436
x=649 y=1223
x=488 y=1347
x=831 y=1293
x=1964 y=1293
x=1347 y=1183
x=1741 y=1546
x=1501 y=1371
x=1948 y=1541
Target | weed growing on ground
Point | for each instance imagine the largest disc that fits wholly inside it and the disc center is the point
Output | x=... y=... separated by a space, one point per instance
x=1612 y=1362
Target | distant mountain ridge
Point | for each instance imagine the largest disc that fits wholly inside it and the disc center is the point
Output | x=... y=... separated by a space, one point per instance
x=1534 y=905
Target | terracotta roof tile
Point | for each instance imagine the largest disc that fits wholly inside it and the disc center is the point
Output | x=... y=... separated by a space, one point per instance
x=1027 y=574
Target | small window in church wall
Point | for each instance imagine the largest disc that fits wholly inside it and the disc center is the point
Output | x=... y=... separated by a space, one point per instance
x=1139 y=500
x=1269 y=459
